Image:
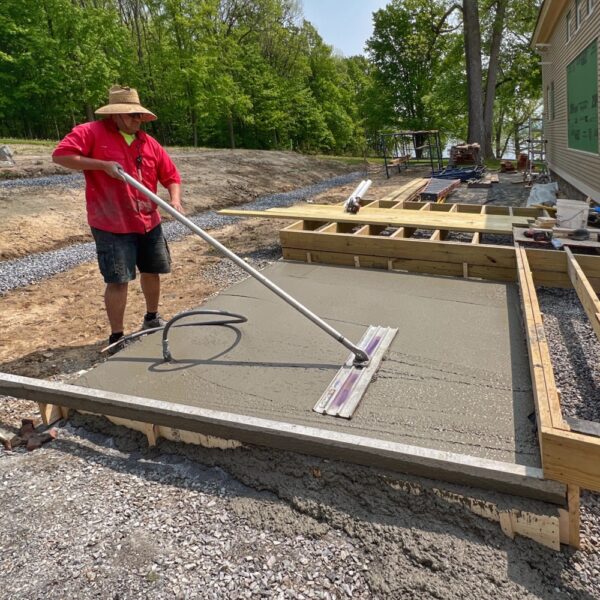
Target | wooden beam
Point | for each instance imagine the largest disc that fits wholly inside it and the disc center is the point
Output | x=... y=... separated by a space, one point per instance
x=423 y=219
x=547 y=403
x=569 y=518
x=586 y=293
x=430 y=267
x=396 y=247
x=50 y=413
x=571 y=457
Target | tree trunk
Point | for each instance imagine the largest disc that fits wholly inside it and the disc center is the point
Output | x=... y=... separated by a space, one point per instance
x=492 y=77
x=89 y=112
x=472 y=37
x=231 y=134
x=517 y=141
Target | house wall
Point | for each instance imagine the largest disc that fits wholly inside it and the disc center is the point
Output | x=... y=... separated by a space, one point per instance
x=577 y=168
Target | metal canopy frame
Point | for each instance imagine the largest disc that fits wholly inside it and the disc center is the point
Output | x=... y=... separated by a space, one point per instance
x=398 y=148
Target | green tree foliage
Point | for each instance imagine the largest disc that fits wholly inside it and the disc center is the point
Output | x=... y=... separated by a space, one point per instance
x=55 y=61
x=418 y=73
x=412 y=51
x=253 y=73
x=246 y=73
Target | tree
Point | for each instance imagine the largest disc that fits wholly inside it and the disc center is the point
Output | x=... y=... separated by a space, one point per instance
x=409 y=46
x=472 y=35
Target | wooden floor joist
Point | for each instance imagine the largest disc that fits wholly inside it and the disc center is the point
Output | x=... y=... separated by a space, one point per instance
x=567 y=456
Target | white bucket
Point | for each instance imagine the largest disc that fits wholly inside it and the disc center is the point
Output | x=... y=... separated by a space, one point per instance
x=571 y=214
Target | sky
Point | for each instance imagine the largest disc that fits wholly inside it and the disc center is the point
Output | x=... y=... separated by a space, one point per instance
x=344 y=24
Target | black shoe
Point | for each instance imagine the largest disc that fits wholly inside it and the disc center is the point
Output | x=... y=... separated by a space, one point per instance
x=158 y=321
x=116 y=343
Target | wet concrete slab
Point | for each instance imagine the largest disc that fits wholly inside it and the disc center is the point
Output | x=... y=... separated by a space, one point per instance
x=456 y=379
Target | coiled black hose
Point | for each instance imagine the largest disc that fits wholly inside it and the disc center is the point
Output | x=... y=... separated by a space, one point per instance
x=167 y=356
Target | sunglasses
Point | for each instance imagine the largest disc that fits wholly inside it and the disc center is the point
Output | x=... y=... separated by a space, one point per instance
x=134 y=115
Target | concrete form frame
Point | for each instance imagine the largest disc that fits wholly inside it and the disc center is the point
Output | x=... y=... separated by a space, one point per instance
x=570 y=448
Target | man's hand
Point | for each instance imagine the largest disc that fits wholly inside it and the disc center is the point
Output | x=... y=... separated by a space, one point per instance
x=175 y=197
x=113 y=169
x=176 y=204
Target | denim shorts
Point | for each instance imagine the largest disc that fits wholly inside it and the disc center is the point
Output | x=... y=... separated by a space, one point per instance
x=120 y=253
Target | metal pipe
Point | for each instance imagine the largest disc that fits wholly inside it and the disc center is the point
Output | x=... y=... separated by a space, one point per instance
x=361 y=357
x=364 y=189
x=355 y=192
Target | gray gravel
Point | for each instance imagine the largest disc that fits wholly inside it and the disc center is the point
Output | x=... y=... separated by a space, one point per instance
x=72 y=180
x=96 y=514
x=575 y=352
x=36 y=267
x=122 y=525
x=575 y=355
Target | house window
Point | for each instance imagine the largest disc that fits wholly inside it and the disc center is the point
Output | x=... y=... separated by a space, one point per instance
x=568 y=26
x=579 y=4
x=590 y=6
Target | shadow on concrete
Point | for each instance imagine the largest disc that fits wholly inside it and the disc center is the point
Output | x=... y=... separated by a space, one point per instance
x=526 y=441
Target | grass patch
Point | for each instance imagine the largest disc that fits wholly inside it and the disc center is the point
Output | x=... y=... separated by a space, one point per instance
x=14 y=141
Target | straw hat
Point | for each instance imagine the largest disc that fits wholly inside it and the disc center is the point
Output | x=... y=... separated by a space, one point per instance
x=123 y=101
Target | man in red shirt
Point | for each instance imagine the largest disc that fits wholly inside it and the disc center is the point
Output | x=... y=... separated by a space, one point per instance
x=124 y=223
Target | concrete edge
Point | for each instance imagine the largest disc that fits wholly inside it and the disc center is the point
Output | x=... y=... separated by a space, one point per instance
x=500 y=476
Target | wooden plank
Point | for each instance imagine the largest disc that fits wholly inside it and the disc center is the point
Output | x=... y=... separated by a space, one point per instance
x=394 y=247
x=573 y=502
x=429 y=267
x=550 y=268
x=587 y=296
x=542 y=377
x=423 y=219
x=405 y=192
x=571 y=457
x=501 y=476
x=50 y=413
x=542 y=528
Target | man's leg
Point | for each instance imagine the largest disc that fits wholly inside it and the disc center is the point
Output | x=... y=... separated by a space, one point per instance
x=115 y=300
x=151 y=288
x=116 y=259
x=153 y=259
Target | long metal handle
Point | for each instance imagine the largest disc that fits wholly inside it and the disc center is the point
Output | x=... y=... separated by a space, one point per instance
x=362 y=357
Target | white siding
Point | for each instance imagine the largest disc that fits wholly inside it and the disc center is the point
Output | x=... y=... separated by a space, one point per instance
x=581 y=169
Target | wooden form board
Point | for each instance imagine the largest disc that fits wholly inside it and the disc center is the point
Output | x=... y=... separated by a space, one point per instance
x=567 y=456
x=432 y=220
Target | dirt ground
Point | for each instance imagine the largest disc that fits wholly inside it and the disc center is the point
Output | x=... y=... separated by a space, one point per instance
x=56 y=328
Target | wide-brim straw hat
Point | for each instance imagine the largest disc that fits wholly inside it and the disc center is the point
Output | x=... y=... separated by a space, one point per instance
x=123 y=101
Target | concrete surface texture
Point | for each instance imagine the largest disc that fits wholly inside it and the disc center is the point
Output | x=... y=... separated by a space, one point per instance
x=456 y=378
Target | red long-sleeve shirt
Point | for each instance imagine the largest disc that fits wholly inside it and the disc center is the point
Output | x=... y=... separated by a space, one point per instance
x=112 y=204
